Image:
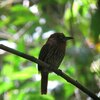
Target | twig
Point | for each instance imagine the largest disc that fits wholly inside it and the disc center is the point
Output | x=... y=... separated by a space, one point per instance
x=58 y=72
x=5 y=35
x=22 y=30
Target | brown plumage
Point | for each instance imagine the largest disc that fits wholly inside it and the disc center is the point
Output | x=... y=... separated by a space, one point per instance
x=52 y=53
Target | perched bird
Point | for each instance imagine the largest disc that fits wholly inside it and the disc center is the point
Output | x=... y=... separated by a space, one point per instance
x=52 y=53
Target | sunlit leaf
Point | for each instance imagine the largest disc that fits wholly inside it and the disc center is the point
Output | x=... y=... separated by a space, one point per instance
x=7 y=70
x=5 y=86
x=69 y=89
x=24 y=74
x=35 y=52
x=21 y=16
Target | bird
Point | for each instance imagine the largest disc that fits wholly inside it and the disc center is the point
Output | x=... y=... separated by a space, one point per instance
x=52 y=53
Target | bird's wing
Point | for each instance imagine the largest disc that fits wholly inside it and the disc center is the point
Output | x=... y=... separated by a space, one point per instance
x=43 y=53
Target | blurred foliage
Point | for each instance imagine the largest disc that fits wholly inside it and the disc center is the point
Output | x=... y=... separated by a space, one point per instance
x=27 y=24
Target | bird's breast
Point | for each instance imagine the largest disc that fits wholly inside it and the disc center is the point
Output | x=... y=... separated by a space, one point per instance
x=55 y=55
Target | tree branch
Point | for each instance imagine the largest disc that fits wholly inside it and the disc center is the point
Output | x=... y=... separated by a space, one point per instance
x=57 y=71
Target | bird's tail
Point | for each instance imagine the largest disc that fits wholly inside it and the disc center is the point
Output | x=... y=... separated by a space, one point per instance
x=44 y=82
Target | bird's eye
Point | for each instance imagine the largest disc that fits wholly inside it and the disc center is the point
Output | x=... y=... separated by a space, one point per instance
x=61 y=37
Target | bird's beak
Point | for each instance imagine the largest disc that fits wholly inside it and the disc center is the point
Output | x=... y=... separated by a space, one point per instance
x=68 y=38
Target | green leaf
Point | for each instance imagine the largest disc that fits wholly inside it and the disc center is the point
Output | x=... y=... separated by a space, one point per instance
x=38 y=97
x=24 y=74
x=35 y=51
x=5 y=86
x=21 y=16
x=61 y=1
x=7 y=70
x=21 y=45
x=95 y=25
x=69 y=89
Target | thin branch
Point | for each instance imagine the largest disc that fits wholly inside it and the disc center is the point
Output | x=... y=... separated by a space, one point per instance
x=22 y=30
x=5 y=35
x=58 y=72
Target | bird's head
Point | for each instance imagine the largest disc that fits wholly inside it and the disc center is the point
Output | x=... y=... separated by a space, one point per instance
x=60 y=37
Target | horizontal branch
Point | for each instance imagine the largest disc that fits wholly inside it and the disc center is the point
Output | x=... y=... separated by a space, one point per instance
x=58 y=72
